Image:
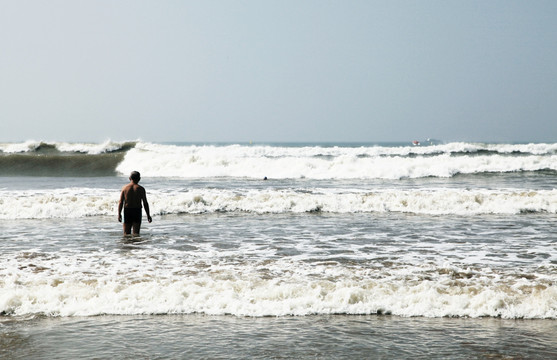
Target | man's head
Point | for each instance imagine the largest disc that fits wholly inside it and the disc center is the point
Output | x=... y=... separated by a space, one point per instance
x=135 y=176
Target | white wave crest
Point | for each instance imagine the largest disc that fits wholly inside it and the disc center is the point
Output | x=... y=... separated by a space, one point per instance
x=74 y=203
x=320 y=163
x=64 y=203
x=92 y=148
x=77 y=285
x=86 y=148
x=27 y=146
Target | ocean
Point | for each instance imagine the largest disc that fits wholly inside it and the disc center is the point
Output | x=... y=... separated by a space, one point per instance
x=280 y=251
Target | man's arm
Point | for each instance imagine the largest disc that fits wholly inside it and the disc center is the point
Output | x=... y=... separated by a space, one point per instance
x=120 y=206
x=146 y=206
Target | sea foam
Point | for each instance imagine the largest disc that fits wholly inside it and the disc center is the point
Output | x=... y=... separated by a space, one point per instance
x=332 y=163
x=80 y=202
x=171 y=283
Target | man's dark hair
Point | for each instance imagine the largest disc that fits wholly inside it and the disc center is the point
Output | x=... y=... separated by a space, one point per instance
x=135 y=176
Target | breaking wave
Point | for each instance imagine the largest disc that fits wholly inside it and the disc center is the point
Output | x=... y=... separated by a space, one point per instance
x=316 y=162
x=273 y=161
x=80 y=202
x=62 y=159
x=175 y=282
x=44 y=147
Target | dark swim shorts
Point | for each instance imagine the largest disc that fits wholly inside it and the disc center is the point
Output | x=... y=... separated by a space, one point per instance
x=132 y=215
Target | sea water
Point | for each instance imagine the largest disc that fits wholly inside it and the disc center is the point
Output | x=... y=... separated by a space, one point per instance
x=280 y=251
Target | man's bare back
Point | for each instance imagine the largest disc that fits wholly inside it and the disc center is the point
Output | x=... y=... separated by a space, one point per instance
x=131 y=199
x=132 y=195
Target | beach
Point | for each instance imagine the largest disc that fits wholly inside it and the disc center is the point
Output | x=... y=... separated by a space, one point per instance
x=344 y=251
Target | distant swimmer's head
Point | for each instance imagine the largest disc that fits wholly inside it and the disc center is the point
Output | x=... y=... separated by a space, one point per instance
x=135 y=176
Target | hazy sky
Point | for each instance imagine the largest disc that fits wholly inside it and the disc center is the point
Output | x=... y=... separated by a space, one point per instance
x=289 y=70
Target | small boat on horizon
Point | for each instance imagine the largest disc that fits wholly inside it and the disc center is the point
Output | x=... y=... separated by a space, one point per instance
x=427 y=142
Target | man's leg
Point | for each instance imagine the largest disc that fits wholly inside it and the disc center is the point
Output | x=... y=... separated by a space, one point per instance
x=127 y=228
x=136 y=227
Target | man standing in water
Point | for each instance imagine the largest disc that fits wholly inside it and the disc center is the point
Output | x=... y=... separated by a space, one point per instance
x=130 y=200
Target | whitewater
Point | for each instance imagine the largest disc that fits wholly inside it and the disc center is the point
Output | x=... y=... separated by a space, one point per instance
x=311 y=238
x=279 y=162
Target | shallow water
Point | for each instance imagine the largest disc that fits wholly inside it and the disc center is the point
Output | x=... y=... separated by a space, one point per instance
x=285 y=264
x=308 y=337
